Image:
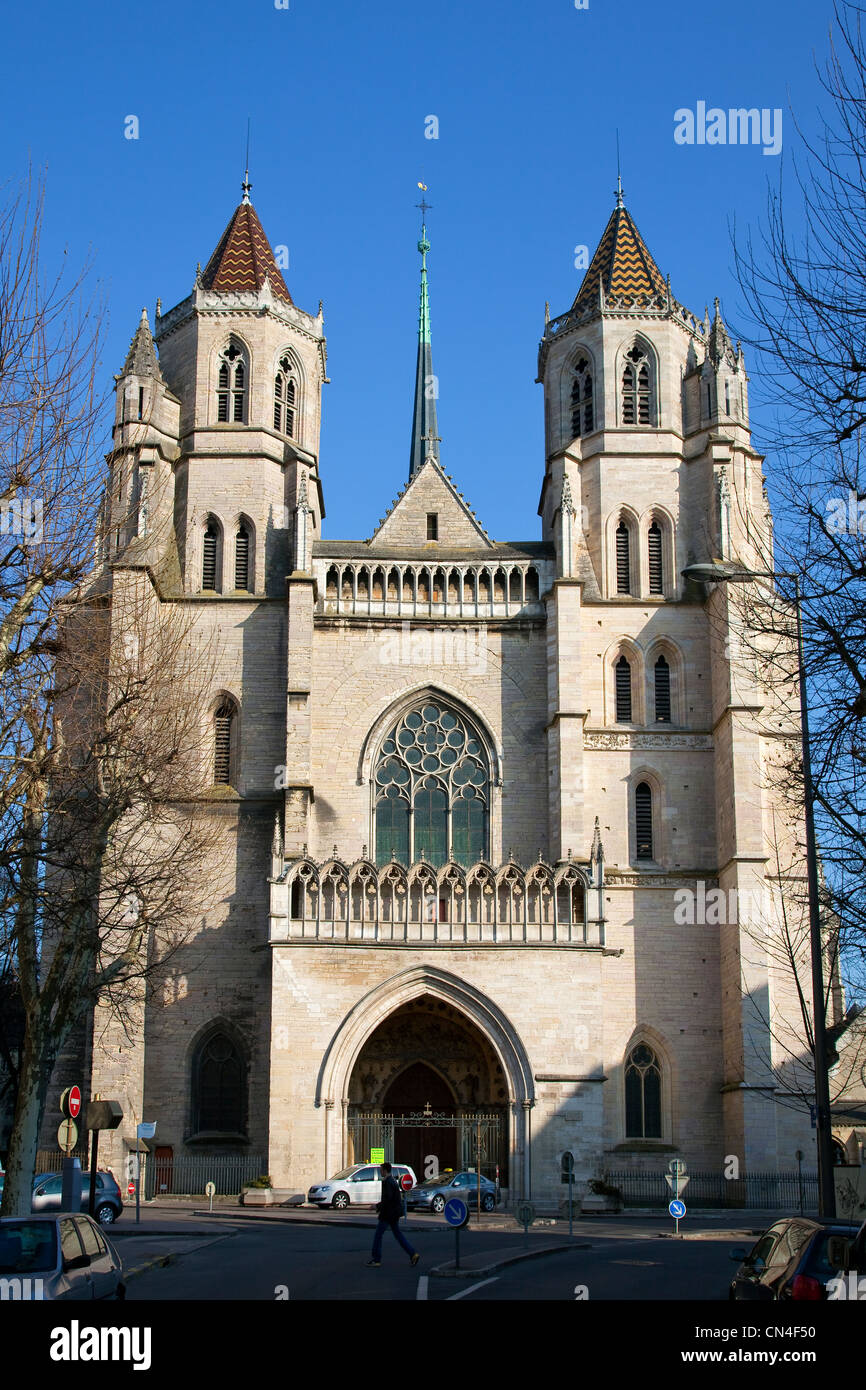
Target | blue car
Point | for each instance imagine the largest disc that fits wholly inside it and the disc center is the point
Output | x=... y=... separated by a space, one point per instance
x=432 y=1194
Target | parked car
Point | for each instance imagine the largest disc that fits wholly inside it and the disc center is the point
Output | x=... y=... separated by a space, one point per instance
x=790 y=1261
x=47 y=1190
x=58 y=1257
x=360 y=1185
x=433 y=1193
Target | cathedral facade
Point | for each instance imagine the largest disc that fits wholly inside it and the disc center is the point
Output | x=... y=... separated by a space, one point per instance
x=464 y=786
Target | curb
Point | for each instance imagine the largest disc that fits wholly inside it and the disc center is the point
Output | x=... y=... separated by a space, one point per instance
x=358 y=1221
x=447 y=1271
x=160 y=1261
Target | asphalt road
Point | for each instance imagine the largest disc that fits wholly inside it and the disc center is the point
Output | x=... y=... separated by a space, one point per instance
x=321 y=1263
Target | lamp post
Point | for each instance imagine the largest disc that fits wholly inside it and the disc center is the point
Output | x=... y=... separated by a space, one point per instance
x=731 y=573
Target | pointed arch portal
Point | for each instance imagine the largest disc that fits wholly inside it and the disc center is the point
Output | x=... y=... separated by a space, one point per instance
x=427 y=1049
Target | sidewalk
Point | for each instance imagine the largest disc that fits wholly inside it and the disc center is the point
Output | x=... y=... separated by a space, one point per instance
x=634 y=1223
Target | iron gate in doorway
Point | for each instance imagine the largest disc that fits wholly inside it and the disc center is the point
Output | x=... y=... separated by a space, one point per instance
x=478 y=1136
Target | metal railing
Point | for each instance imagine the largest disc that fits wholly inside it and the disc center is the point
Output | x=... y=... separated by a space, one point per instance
x=791 y=1190
x=51 y=1160
x=187 y=1175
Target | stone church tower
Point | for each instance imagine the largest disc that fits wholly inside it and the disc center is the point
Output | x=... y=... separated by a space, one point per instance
x=462 y=781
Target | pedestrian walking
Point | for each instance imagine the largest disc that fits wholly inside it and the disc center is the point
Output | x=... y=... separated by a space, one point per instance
x=390 y=1210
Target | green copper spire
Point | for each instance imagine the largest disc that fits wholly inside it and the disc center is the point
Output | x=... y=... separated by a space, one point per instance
x=425 y=432
x=424 y=312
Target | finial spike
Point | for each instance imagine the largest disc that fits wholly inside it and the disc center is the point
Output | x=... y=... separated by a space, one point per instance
x=619 y=194
x=246 y=185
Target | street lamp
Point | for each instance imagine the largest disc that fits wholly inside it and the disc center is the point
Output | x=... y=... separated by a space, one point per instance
x=728 y=572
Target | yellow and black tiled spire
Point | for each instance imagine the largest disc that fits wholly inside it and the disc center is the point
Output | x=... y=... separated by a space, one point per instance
x=623 y=267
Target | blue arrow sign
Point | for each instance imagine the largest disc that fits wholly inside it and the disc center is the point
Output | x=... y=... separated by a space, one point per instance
x=677 y=1209
x=456 y=1212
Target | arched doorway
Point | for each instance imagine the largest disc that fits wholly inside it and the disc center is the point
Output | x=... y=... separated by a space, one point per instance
x=415 y=1091
x=428 y=1065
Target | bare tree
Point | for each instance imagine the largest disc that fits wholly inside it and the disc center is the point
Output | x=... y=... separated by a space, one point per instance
x=805 y=292
x=102 y=745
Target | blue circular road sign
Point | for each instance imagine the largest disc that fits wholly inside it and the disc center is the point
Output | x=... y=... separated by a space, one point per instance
x=456 y=1212
x=677 y=1208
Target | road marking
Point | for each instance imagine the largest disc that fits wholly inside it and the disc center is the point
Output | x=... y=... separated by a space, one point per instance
x=471 y=1289
x=421 y=1295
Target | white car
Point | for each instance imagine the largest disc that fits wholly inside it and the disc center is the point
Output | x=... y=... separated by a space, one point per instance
x=360 y=1185
x=57 y=1257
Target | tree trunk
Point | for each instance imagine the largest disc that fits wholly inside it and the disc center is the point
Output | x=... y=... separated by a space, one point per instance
x=37 y=1064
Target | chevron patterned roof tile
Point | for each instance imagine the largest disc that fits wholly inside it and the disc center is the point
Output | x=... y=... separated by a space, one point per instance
x=622 y=264
x=243 y=258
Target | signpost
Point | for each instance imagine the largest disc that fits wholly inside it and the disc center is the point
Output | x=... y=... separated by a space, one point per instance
x=677 y=1210
x=456 y=1213
x=677 y=1180
x=406 y=1183
x=525 y=1213
x=146 y=1130
x=568 y=1165
x=210 y=1189
x=67 y=1136
x=70 y=1102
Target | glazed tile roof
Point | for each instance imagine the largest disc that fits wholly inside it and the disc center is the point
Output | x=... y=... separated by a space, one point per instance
x=243 y=258
x=624 y=266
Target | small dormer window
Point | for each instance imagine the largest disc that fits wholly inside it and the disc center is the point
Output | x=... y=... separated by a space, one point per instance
x=285 y=398
x=231 y=386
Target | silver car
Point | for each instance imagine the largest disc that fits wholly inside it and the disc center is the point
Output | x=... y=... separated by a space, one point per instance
x=360 y=1185
x=57 y=1257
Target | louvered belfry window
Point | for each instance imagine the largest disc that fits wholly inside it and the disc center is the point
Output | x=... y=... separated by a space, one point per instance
x=636 y=388
x=663 y=691
x=643 y=820
x=623 y=563
x=209 y=561
x=622 y=682
x=581 y=399
x=239 y=387
x=231 y=386
x=242 y=559
x=223 y=393
x=284 y=398
x=654 y=547
x=222 y=760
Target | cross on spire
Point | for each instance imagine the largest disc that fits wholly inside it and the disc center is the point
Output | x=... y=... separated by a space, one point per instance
x=431 y=439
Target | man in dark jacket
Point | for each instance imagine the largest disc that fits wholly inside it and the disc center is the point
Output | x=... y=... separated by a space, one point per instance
x=390 y=1210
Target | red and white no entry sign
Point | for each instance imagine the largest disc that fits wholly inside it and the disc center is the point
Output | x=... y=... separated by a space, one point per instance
x=74 y=1103
x=406 y=1182
x=130 y=1188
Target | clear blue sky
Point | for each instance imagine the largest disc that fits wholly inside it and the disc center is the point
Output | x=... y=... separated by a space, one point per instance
x=528 y=98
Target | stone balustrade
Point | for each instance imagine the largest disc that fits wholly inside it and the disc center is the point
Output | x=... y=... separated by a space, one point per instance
x=337 y=902
x=434 y=589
